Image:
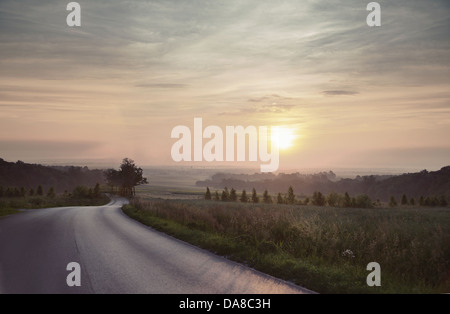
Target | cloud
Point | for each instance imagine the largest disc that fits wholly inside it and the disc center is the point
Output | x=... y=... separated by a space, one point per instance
x=162 y=85
x=339 y=93
x=46 y=148
x=269 y=104
x=135 y=62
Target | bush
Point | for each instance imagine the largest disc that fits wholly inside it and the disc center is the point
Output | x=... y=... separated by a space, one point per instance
x=392 y=202
x=80 y=192
x=363 y=201
x=318 y=199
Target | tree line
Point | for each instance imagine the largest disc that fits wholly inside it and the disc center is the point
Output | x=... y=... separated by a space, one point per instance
x=61 y=178
x=427 y=183
x=31 y=179
x=333 y=199
x=429 y=201
x=80 y=191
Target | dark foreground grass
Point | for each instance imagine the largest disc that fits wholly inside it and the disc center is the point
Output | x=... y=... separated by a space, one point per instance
x=323 y=249
x=11 y=205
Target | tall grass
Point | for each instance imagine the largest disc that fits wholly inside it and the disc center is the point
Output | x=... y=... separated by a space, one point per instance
x=325 y=249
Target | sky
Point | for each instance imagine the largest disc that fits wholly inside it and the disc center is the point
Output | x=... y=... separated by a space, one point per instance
x=354 y=95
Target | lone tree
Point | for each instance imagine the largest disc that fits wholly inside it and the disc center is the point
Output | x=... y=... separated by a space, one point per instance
x=290 y=196
x=208 y=194
x=127 y=178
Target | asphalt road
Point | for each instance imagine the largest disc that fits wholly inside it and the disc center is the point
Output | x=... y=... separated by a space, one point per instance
x=116 y=255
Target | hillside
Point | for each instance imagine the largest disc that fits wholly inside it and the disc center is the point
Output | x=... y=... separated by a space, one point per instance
x=20 y=174
x=433 y=183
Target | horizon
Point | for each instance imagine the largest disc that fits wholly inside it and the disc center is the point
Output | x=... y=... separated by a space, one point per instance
x=341 y=172
x=344 y=94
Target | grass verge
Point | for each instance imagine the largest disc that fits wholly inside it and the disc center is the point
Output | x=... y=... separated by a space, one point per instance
x=323 y=249
x=11 y=205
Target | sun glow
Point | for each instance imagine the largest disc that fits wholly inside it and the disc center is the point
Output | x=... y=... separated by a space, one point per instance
x=283 y=137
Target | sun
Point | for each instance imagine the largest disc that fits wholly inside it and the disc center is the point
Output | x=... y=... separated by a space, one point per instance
x=282 y=137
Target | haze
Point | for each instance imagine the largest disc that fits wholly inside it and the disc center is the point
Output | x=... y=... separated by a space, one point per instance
x=115 y=87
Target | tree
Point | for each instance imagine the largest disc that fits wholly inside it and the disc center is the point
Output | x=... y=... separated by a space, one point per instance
x=131 y=176
x=31 y=192
x=363 y=201
x=392 y=202
x=421 y=201
x=225 y=195
x=280 y=199
x=267 y=199
x=51 y=193
x=208 y=194
x=244 y=197
x=40 y=191
x=128 y=177
x=96 y=191
x=404 y=200
x=233 y=195
x=217 y=196
x=412 y=201
x=80 y=191
x=255 y=198
x=347 y=200
x=113 y=178
x=318 y=199
x=333 y=199
x=291 y=196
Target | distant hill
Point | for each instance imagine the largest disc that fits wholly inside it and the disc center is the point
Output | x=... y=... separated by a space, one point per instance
x=424 y=183
x=62 y=178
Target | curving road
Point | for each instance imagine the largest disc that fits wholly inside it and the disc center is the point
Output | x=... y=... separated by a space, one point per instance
x=116 y=255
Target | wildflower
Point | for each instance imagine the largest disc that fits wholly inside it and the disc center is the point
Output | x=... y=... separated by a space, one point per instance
x=348 y=253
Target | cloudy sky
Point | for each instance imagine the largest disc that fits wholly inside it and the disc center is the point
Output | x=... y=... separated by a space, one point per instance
x=356 y=96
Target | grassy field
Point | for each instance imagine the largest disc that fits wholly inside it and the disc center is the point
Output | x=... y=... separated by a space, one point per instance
x=13 y=205
x=170 y=188
x=321 y=248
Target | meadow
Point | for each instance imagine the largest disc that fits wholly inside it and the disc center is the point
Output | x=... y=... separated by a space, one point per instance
x=324 y=249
